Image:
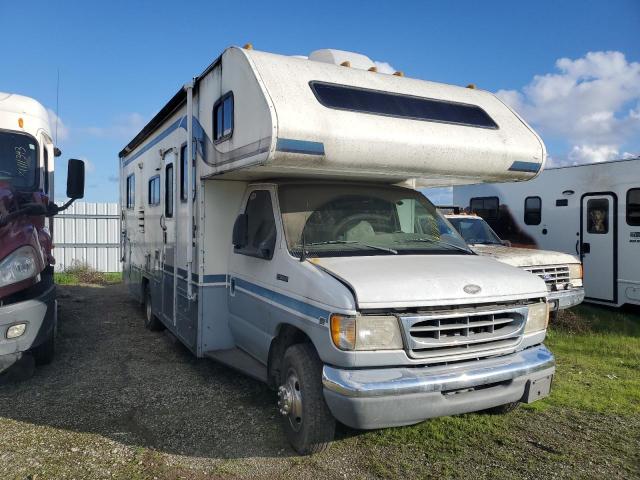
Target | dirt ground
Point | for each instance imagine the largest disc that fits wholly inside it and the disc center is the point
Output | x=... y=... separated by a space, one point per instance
x=123 y=402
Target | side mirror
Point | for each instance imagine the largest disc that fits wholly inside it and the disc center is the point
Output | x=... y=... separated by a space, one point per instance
x=240 y=231
x=506 y=243
x=75 y=179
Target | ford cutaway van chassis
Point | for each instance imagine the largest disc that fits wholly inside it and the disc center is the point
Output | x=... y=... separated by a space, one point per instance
x=264 y=225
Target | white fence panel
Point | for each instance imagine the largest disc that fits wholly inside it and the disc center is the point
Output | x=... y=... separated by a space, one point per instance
x=88 y=233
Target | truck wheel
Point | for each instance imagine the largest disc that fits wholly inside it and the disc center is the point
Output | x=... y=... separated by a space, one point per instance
x=502 y=409
x=151 y=322
x=43 y=354
x=307 y=421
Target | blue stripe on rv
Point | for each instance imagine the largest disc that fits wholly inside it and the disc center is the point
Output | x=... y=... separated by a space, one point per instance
x=284 y=300
x=524 y=167
x=300 y=146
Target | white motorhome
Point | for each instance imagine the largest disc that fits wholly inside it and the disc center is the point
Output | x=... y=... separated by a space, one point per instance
x=592 y=211
x=262 y=225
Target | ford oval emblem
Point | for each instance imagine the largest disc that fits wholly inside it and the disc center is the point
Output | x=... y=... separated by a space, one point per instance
x=472 y=289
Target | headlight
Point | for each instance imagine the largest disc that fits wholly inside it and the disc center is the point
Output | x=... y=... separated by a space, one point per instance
x=366 y=332
x=575 y=274
x=17 y=266
x=538 y=317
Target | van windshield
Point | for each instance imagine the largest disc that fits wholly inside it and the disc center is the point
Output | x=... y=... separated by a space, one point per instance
x=475 y=231
x=328 y=220
x=18 y=159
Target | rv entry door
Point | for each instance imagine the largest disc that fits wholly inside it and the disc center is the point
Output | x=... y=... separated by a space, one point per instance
x=167 y=224
x=598 y=228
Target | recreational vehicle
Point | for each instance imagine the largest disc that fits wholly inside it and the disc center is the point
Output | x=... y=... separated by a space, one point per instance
x=561 y=272
x=592 y=211
x=264 y=227
x=27 y=292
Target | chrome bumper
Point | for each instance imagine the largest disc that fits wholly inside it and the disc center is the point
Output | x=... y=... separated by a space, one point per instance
x=404 y=381
x=561 y=299
x=390 y=397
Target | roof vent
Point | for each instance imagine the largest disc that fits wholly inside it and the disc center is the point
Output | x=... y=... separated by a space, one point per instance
x=340 y=57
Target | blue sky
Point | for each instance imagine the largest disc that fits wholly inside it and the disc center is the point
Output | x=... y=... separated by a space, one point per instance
x=120 y=61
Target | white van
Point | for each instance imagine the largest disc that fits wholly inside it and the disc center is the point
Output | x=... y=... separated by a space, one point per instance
x=262 y=225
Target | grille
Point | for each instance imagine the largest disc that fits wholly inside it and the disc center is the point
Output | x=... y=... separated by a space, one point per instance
x=555 y=276
x=463 y=334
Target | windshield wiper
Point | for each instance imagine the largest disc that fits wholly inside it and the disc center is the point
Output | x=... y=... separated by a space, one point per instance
x=441 y=242
x=352 y=242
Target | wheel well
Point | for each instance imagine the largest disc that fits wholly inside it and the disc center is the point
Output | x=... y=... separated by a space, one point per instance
x=287 y=335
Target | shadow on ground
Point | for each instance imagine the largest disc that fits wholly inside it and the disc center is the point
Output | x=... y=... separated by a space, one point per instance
x=113 y=377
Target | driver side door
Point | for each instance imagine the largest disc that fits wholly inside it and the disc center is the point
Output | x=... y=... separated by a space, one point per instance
x=250 y=293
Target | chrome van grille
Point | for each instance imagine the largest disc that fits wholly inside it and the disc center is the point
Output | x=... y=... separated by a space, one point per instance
x=461 y=334
x=555 y=276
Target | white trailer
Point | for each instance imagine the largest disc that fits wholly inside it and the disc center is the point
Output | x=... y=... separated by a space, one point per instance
x=588 y=210
x=262 y=227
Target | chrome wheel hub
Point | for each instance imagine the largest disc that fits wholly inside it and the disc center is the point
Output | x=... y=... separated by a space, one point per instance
x=290 y=400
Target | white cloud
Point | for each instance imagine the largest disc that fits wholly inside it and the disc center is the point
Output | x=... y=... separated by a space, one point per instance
x=592 y=102
x=384 y=67
x=124 y=127
x=56 y=122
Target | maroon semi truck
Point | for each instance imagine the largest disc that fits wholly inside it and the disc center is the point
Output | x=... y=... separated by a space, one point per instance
x=27 y=292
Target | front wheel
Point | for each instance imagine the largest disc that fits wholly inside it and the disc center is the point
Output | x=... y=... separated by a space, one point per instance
x=307 y=421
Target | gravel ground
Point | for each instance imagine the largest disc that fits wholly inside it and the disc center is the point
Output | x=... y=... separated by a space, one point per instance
x=122 y=402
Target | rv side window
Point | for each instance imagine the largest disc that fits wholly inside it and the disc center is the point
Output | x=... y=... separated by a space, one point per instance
x=184 y=190
x=376 y=102
x=532 y=210
x=168 y=191
x=154 y=190
x=633 y=207
x=485 y=207
x=261 y=231
x=131 y=191
x=223 y=118
x=598 y=216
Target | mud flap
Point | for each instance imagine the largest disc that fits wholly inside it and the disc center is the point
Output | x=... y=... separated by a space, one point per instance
x=537 y=389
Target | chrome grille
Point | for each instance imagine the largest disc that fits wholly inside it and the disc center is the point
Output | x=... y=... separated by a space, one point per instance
x=555 y=276
x=464 y=333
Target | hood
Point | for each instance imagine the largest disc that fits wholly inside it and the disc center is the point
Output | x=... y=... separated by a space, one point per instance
x=398 y=281
x=524 y=257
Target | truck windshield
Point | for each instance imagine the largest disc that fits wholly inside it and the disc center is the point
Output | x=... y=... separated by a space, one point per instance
x=18 y=159
x=346 y=220
x=475 y=231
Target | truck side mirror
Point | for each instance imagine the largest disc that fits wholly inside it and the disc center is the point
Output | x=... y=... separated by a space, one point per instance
x=241 y=231
x=75 y=179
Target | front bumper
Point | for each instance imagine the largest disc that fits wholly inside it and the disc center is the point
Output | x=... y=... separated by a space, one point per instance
x=38 y=313
x=561 y=299
x=387 y=397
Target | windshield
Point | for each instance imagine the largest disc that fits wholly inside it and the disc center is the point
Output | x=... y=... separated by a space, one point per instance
x=18 y=159
x=347 y=220
x=475 y=231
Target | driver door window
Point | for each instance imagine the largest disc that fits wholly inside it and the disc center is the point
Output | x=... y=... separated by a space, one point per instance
x=261 y=231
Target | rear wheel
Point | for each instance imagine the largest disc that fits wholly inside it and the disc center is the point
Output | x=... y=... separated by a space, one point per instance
x=151 y=322
x=307 y=421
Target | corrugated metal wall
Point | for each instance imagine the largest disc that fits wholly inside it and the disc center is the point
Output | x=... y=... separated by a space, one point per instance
x=88 y=233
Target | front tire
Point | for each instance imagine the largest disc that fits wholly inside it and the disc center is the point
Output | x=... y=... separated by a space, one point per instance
x=151 y=322
x=44 y=353
x=502 y=409
x=307 y=421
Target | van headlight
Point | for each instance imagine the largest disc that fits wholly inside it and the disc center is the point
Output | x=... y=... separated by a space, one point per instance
x=575 y=274
x=18 y=265
x=366 y=332
x=537 y=318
